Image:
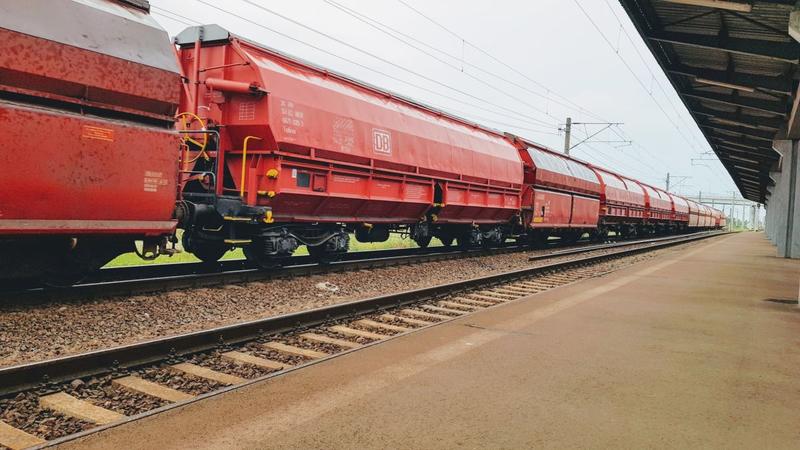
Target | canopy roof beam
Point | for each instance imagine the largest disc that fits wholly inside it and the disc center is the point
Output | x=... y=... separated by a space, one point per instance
x=777 y=51
x=774 y=84
x=767 y=106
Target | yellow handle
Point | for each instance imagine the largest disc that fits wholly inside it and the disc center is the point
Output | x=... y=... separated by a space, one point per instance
x=185 y=126
x=244 y=162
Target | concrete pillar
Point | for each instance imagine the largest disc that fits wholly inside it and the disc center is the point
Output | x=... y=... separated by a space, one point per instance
x=769 y=217
x=793 y=228
x=778 y=200
x=783 y=209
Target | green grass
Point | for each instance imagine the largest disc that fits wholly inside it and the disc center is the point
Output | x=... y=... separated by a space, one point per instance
x=395 y=241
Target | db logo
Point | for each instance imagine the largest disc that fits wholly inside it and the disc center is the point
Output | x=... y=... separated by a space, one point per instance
x=382 y=141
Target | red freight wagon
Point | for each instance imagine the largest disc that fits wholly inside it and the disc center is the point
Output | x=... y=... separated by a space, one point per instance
x=681 y=209
x=638 y=195
x=694 y=214
x=702 y=215
x=623 y=199
x=614 y=196
x=558 y=172
x=319 y=153
x=667 y=202
x=623 y=204
x=88 y=92
x=709 y=217
x=561 y=193
x=658 y=209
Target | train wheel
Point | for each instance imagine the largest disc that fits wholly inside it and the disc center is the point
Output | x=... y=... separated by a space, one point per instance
x=472 y=238
x=493 y=238
x=424 y=241
x=422 y=234
x=70 y=263
x=332 y=250
x=254 y=254
x=537 y=239
x=572 y=237
x=205 y=250
x=322 y=255
x=210 y=252
x=65 y=275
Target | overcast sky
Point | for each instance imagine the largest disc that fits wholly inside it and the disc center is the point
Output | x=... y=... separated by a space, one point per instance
x=521 y=66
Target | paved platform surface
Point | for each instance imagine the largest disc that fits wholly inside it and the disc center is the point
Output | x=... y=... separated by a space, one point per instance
x=678 y=351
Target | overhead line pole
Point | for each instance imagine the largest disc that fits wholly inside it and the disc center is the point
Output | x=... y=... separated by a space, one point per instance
x=670 y=177
x=568 y=133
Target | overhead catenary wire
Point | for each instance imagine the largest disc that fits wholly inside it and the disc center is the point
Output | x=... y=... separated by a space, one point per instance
x=172 y=16
x=507 y=65
x=515 y=114
x=498 y=60
x=649 y=92
x=525 y=127
x=495 y=121
x=632 y=72
x=164 y=16
x=442 y=61
x=647 y=66
x=614 y=161
x=394 y=32
x=380 y=58
x=692 y=142
x=514 y=117
x=713 y=172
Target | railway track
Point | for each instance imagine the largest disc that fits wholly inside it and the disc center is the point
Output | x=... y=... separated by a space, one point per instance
x=135 y=280
x=52 y=401
x=145 y=279
x=619 y=244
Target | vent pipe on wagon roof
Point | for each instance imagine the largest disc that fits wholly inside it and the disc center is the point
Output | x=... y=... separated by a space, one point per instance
x=144 y=5
x=207 y=34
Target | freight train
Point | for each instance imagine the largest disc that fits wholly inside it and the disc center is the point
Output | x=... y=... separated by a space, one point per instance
x=114 y=135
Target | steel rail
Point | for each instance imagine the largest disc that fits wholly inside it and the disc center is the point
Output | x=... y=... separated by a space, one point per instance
x=190 y=268
x=47 y=374
x=145 y=280
x=574 y=251
x=175 y=269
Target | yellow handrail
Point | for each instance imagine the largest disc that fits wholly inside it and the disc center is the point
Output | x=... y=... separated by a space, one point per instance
x=244 y=162
x=185 y=126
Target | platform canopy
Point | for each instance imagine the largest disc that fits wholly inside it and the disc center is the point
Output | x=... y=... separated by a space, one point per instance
x=734 y=65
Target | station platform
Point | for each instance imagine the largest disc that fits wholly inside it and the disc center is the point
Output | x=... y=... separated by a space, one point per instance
x=698 y=347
